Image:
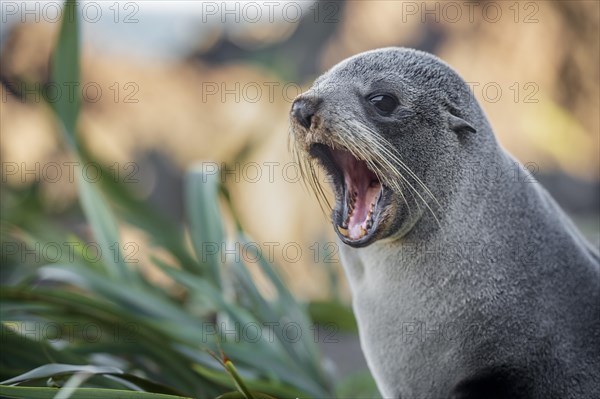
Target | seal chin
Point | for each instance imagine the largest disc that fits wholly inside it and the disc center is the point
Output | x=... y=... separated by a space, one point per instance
x=361 y=198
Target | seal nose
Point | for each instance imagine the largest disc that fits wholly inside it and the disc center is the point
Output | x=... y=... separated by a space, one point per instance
x=303 y=110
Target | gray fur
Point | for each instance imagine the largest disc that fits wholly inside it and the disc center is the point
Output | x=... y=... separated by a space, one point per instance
x=501 y=293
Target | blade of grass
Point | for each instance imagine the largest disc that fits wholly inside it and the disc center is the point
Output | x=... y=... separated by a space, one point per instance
x=65 y=73
x=239 y=395
x=106 y=231
x=239 y=382
x=80 y=393
x=134 y=299
x=206 y=227
x=55 y=369
x=276 y=389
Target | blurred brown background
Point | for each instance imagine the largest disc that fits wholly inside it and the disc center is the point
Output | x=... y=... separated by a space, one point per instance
x=170 y=84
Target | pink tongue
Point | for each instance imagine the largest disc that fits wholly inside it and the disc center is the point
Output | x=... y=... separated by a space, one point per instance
x=363 y=188
x=359 y=184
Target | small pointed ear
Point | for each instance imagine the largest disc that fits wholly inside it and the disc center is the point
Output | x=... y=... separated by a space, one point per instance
x=460 y=125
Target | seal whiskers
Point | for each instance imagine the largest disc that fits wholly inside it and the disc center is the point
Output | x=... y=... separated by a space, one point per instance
x=394 y=164
x=367 y=145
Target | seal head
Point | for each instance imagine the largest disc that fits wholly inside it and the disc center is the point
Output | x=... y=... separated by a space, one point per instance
x=364 y=122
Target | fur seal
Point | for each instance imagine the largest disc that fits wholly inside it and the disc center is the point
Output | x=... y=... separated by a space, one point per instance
x=465 y=283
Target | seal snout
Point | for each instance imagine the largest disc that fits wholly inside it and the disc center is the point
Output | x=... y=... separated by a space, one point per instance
x=303 y=110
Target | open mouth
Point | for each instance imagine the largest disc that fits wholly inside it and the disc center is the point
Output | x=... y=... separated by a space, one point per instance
x=359 y=195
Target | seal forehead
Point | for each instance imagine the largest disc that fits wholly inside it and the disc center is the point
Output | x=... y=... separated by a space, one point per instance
x=423 y=70
x=364 y=67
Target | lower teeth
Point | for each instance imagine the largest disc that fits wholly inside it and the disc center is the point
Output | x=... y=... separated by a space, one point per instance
x=368 y=223
x=343 y=231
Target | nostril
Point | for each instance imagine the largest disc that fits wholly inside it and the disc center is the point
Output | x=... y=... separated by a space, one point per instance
x=303 y=112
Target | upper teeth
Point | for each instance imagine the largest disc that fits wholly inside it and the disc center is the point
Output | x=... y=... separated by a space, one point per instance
x=369 y=220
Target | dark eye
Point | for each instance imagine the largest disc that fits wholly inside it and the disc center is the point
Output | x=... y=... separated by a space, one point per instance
x=384 y=104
